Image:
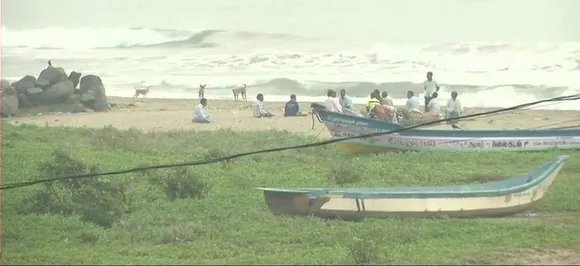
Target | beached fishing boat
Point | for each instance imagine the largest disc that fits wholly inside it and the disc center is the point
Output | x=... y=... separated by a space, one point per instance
x=343 y=125
x=492 y=199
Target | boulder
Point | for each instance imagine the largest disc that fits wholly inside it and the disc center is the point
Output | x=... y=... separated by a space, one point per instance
x=34 y=95
x=5 y=85
x=9 y=105
x=93 y=93
x=23 y=101
x=24 y=83
x=75 y=77
x=50 y=76
x=77 y=108
x=58 y=93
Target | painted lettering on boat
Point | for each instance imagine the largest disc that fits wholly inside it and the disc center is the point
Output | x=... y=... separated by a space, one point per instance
x=508 y=144
x=348 y=121
x=412 y=143
x=550 y=143
x=473 y=144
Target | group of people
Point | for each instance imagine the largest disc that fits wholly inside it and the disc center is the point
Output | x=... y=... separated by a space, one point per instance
x=291 y=108
x=380 y=106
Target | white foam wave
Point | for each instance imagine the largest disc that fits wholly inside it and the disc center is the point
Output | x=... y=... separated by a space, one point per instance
x=84 y=38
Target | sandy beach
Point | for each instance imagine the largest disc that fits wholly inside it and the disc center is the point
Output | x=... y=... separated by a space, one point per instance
x=172 y=114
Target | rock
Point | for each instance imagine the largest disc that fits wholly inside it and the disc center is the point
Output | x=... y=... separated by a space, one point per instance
x=5 y=85
x=9 y=105
x=35 y=90
x=24 y=83
x=88 y=98
x=74 y=98
x=34 y=95
x=50 y=76
x=23 y=101
x=58 y=93
x=77 y=108
x=93 y=93
x=75 y=77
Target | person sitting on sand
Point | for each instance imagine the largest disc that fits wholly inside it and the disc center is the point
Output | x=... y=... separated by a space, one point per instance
x=345 y=101
x=292 y=108
x=453 y=108
x=200 y=113
x=412 y=105
x=259 y=111
x=332 y=103
x=412 y=102
x=434 y=106
x=387 y=100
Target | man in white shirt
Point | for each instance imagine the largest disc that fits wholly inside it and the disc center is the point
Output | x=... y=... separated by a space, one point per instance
x=332 y=103
x=200 y=113
x=387 y=100
x=434 y=106
x=412 y=102
x=430 y=86
x=259 y=110
x=453 y=108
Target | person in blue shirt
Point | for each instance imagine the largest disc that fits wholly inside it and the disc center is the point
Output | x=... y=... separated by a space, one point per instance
x=292 y=108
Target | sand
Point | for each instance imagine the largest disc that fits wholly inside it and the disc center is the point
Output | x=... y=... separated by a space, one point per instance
x=171 y=114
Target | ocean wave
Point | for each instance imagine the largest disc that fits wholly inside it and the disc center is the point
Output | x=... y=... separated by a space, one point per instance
x=279 y=89
x=103 y=38
x=286 y=86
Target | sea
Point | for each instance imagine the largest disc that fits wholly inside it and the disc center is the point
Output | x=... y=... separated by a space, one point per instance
x=494 y=53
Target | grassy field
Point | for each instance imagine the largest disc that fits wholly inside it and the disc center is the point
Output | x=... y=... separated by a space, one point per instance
x=212 y=214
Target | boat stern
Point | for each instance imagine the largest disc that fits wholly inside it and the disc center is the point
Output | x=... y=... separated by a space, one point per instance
x=292 y=201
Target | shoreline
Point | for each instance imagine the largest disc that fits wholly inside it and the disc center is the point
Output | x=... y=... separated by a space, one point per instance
x=159 y=114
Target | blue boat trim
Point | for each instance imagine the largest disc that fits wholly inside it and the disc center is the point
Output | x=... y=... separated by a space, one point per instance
x=491 y=189
x=378 y=125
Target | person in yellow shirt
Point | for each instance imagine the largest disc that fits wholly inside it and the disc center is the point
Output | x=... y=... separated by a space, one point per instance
x=372 y=104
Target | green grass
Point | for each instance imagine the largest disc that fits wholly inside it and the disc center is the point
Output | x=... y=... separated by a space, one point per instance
x=211 y=214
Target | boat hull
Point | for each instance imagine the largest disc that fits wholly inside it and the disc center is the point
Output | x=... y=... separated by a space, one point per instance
x=341 y=126
x=485 y=200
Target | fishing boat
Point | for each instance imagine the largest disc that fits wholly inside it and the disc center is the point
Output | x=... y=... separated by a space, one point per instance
x=342 y=125
x=492 y=199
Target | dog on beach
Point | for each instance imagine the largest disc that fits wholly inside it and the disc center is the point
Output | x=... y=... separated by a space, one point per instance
x=238 y=91
x=141 y=91
x=201 y=93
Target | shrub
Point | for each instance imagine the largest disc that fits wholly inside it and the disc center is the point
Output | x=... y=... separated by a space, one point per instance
x=180 y=183
x=95 y=200
x=346 y=172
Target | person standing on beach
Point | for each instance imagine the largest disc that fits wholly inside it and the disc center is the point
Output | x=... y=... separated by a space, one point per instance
x=430 y=86
x=259 y=110
x=345 y=101
x=200 y=113
x=332 y=103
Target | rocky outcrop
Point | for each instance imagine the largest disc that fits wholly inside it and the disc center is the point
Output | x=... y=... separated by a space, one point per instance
x=58 y=93
x=53 y=86
x=9 y=101
x=50 y=76
x=25 y=83
x=75 y=77
x=5 y=85
x=93 y=94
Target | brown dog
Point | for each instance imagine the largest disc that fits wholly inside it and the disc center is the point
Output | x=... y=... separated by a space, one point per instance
x=238 y=91
x=201 y=93
x=141 y=91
